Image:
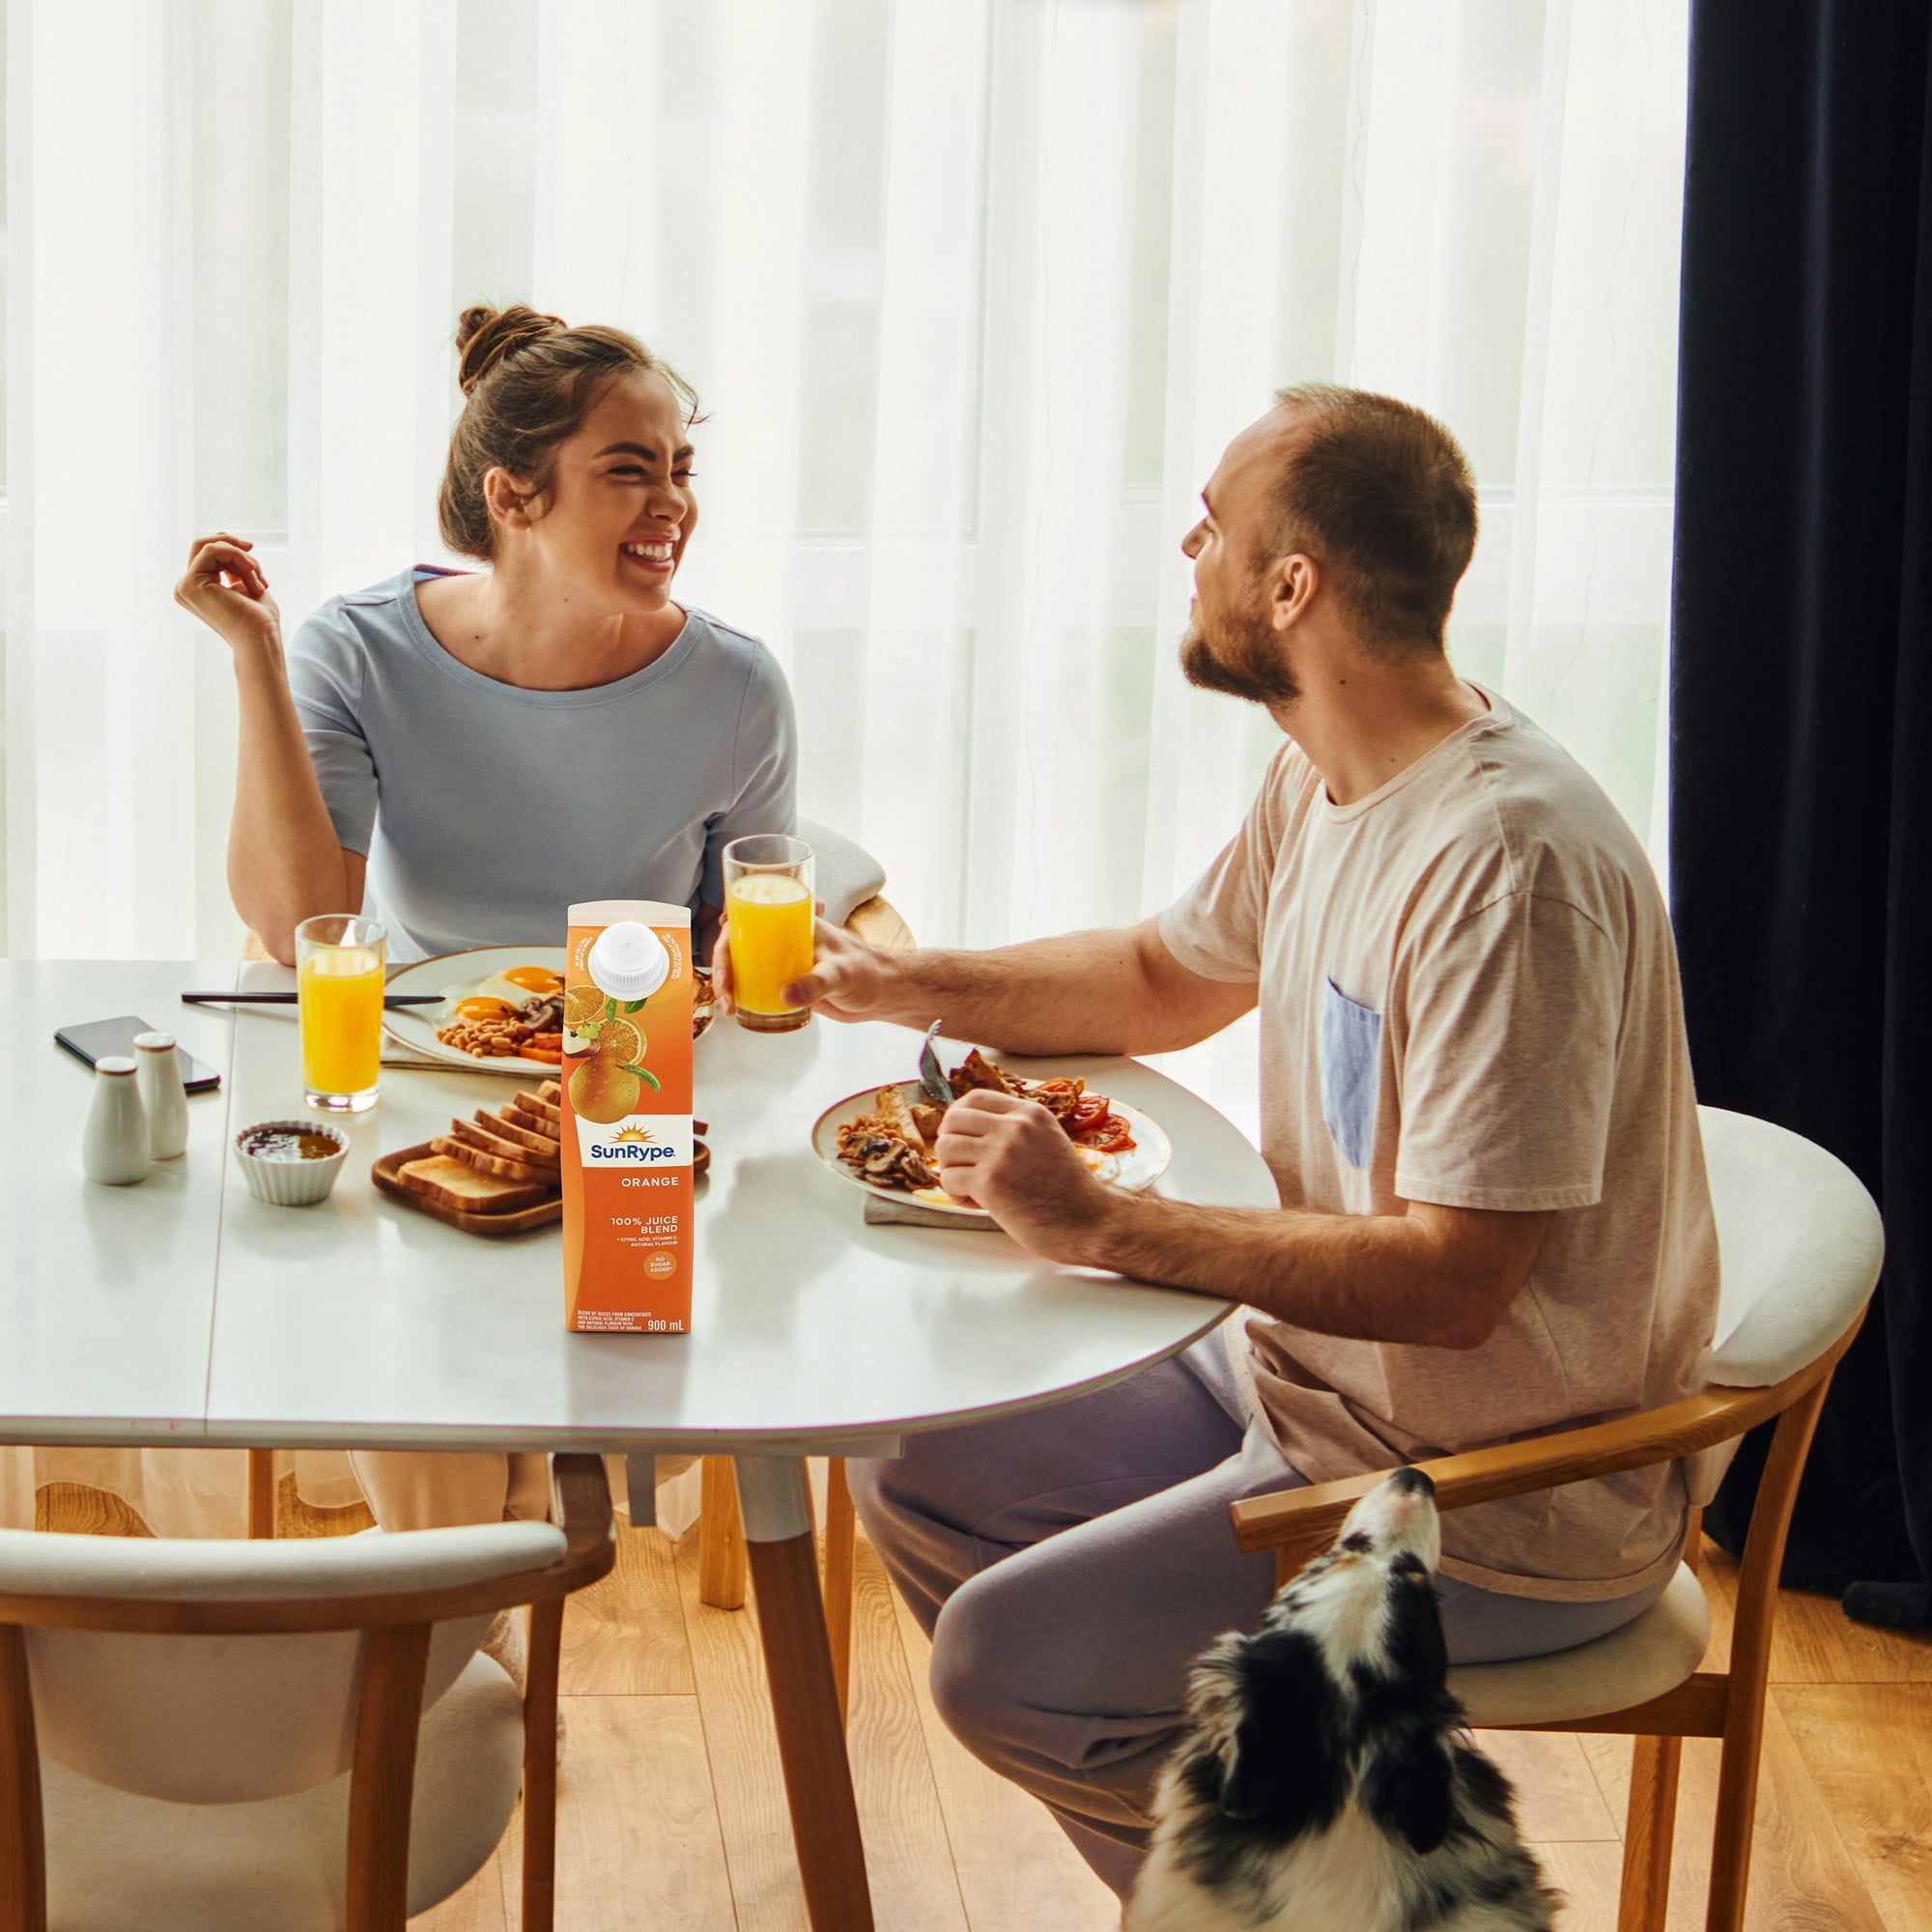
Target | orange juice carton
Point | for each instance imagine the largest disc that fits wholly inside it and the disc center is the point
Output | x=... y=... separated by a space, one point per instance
x=627 y=1137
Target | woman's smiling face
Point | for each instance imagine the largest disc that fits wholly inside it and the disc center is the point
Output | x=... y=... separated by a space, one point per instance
x=620 y=511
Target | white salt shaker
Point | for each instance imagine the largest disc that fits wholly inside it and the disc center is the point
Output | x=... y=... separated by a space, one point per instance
x=114 y=1149
x=163 y=1097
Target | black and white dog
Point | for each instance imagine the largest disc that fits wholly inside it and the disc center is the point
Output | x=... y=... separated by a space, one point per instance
x=1324 y=1781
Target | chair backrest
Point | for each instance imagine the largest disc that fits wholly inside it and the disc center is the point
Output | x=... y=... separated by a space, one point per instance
x=847 y=875
x=214 y=1720
x=1800 y=1245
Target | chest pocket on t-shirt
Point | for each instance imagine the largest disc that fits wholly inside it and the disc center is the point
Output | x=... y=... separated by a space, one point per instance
x=1350 y=1036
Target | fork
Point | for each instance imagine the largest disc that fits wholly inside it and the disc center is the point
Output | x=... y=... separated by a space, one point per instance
x=931 y=1076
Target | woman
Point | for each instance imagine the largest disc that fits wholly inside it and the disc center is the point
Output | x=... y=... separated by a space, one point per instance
x=468 y=753
x=465 y=754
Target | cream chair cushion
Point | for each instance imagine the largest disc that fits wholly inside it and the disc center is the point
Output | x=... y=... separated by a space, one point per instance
x=1800 y=1244
x=121 y=1863
x=1647 y=1657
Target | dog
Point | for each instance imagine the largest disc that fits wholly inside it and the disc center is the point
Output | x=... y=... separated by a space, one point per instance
x=1324 y=1782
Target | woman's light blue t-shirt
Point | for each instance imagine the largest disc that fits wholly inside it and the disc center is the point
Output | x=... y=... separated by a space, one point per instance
x=486 y=811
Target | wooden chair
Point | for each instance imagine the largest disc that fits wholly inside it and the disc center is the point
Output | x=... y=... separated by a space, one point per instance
x=721 y=1537
x=203 y=1735
x=1801 y=1245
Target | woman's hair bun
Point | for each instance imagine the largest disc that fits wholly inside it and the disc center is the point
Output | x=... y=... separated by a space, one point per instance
x=546 y=378
x=485 y=335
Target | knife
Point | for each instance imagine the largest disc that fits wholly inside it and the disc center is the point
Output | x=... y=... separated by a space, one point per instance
x=393 y=1001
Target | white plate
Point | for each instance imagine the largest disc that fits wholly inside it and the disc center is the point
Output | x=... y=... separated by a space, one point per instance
x=414 y=1027
x=1137 y=1170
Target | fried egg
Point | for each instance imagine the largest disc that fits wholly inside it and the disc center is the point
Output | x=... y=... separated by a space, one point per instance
x=499 y=996
x=535 y=980
x=1101 y=1166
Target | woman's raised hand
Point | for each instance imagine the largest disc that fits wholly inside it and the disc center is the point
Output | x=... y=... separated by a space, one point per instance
x=225 y=589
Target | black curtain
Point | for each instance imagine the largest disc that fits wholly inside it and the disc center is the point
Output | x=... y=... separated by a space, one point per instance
x=1801 y=840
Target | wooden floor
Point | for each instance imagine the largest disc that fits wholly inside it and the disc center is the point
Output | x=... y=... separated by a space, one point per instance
x=671 y=1813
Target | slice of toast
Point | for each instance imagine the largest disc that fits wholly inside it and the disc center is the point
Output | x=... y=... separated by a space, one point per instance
x=490 y=1140
x=531 y=1124
x=453 y=1184
x=546 y=1178
x=551 y=1091
x=539 y=1108
x=513 y=1125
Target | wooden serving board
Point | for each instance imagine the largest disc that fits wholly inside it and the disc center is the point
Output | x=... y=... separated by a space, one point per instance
x=383 y=1173
x=543 y=1215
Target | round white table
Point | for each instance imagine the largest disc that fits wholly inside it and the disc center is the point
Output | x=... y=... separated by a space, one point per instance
x=106 y=1293
x=361 y=1323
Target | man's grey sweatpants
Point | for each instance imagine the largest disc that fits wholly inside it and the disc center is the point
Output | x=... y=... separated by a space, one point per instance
x=1068 y=1565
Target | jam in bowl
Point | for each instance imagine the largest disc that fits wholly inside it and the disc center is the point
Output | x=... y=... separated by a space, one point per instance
x=290 y=1163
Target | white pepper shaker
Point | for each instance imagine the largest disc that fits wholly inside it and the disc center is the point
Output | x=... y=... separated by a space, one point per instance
x=114 y=1149
x=163 y=1097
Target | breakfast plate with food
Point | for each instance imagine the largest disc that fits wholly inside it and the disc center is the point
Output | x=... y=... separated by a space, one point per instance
x=882 y=1140
x=503 y=1009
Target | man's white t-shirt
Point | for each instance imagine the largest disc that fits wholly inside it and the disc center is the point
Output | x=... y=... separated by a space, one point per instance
x=1468 y=995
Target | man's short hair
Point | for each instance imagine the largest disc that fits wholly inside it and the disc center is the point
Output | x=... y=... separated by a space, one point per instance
x=1382 y=497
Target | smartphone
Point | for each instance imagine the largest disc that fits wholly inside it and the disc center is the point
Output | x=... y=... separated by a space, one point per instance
x=96 y=1039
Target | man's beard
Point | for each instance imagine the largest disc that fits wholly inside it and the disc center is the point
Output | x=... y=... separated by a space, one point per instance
x=1243 y=661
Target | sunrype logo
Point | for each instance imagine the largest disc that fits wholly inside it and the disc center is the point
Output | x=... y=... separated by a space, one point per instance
x=632 y=1143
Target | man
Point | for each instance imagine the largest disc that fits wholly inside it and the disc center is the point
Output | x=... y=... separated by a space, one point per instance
x=1476 y=1103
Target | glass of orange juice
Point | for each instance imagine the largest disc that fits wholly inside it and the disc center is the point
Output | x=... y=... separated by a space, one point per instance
x=768 y=901
x=339 y=981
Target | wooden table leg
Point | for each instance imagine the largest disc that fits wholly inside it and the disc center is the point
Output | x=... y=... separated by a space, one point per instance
x=777 y=1507
x=545 y=1637
x=23 y=1854
x=261 y=1492
x=840 y=1528
x=721 y=1538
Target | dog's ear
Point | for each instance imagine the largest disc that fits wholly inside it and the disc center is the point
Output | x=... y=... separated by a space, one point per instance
x=1282 y=1767
x=1408 y=1782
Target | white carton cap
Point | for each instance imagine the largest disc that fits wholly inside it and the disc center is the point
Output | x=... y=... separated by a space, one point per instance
x=628 y=960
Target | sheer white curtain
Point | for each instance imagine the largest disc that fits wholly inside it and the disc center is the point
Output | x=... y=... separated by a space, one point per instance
x=975 y=291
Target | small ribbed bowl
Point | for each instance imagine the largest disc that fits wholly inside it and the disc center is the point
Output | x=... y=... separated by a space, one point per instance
x=292 y=1184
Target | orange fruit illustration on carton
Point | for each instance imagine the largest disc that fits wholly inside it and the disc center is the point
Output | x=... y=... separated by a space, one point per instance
x=604 y=1091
